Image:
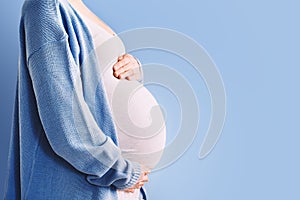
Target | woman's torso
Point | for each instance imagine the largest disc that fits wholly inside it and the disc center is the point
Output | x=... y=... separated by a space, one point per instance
x=129 y=101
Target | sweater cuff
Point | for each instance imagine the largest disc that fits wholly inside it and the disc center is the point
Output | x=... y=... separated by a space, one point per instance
x=136 y=173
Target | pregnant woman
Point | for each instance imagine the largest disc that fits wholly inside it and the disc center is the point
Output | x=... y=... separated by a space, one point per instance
x=68 y=137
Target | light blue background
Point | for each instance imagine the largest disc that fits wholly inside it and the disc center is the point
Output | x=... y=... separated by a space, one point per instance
x=256 y=47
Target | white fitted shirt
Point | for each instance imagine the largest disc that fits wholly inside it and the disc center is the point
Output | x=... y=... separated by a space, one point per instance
x=131 y=104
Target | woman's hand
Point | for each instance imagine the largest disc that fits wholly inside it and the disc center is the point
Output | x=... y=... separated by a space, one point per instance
x=127 y=67
x=140 y=183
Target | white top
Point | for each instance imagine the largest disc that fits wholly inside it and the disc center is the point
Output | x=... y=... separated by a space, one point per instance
x=130 y=103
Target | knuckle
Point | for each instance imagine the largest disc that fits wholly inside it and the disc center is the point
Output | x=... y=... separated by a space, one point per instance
x=130 y=56
x=128 y=67
x=128 y=59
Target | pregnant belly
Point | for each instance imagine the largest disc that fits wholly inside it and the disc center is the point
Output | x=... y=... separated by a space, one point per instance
x=138 y=118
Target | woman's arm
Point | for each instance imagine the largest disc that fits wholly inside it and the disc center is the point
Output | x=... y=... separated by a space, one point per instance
x=68 y=123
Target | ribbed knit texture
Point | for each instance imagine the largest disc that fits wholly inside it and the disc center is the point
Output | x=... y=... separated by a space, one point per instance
x=63 y=141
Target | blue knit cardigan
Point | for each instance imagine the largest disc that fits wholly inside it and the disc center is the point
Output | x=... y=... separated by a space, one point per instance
x=63 y=142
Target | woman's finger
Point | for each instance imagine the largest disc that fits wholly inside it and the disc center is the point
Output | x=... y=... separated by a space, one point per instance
x=147 y=172
x=135 y=75
x=145 y=178
x=124 y=68
x=141 y=184
x=130 y=78
x=121 y=57
x=131 y=190
x=125 y=74
x=121 y=63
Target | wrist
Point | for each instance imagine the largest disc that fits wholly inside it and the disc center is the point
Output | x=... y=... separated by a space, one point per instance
x=141 y=74
x=135 y=176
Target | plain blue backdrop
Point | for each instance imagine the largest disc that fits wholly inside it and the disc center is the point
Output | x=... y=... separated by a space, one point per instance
x=256 y=46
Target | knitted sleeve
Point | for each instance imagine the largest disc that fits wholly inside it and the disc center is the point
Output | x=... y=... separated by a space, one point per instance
x=68 y=123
